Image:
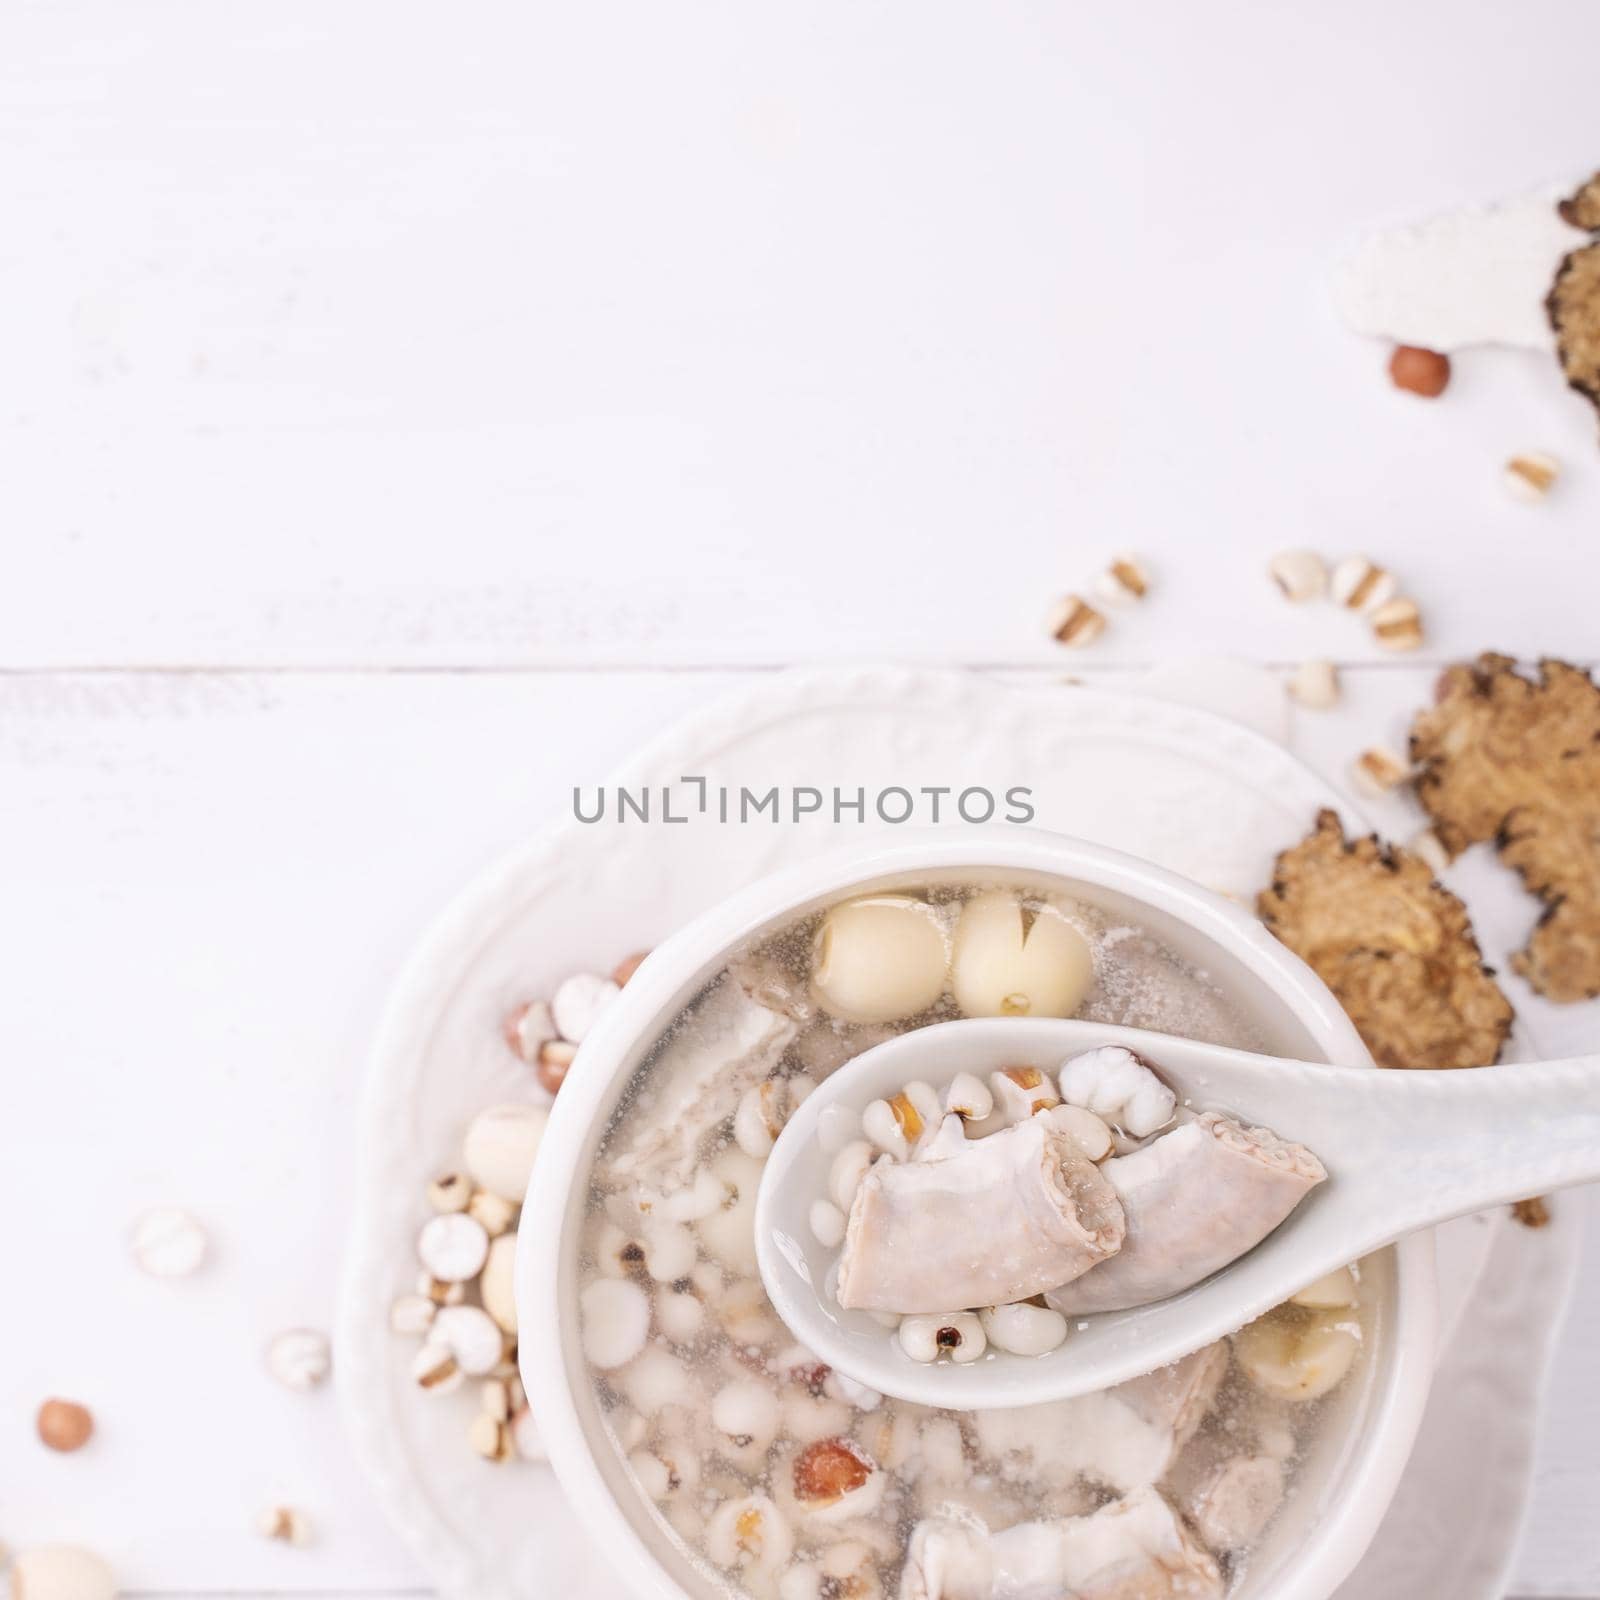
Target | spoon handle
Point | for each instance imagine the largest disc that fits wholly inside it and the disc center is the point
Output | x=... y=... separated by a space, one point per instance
x=1427 y=1146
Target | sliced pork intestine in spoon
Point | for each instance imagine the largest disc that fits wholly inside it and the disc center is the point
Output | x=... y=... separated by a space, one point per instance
x=1006 y=1218
x=1133 y=1549
x=1195 y=1200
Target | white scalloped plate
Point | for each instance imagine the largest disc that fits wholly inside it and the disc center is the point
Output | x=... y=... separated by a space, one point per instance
x=1118 y=768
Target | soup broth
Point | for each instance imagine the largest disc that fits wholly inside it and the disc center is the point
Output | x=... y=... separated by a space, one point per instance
x=784 y=1480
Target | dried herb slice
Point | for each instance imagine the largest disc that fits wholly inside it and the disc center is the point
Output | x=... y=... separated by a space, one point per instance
x=1395 y=947
x=1516 y=760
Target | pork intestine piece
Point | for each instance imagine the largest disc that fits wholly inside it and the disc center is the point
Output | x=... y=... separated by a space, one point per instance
x=1195 y=1200
x=1126 y=1438
x=1179 y=1397
x=728 y=1043
x=1228 y=1499
x=949 y=1557
x=1005 y=1218
x=1134 y=1549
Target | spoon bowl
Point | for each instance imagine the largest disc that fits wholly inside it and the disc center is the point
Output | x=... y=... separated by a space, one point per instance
x=1403 y=1150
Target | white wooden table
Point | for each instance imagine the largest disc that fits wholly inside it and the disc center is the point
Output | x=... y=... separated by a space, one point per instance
x=405 y=410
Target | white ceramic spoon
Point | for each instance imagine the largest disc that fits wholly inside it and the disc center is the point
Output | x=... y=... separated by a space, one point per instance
x=1403 y=1150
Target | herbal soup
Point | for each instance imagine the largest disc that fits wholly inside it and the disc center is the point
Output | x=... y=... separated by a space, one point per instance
x=781 y=1477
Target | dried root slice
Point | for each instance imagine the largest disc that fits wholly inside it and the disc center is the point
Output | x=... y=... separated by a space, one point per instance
x=1395 y=947
x=1517 y=760
x=1573 y=305
x=1582 y=209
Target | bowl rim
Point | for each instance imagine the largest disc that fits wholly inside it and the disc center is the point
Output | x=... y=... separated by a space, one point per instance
x=1375 y=1459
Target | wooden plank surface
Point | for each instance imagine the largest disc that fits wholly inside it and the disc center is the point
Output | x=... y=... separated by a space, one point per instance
x=400 y=419
x=711 y=335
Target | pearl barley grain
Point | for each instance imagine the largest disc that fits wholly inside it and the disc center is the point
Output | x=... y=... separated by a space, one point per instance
x=435 y=1370
x=1124 y=582
x=747 y=1411
x=651 y=1474
x=616 y=1321
x=1315 y=685
x=525 y=1436
x=669 y=1250
x=284 y=1525
x=453 y=1247
x=555 y=1061
x=1530 y=478
x=969 y=1097
x=580 y=1002
x=1379 y=771
x=167 y=1243
x=411 y=1313
x=679 y=1316
x=827 y=1224
x=438 y=1292
x=489 y=1438
x=528 y=1028
x=1074 y=622
x=1023 y=1329
x=1299 y=574
x=1397 y=625
x=452 y=1192
x=472 y=1337
x=299 y=1358
x=847 y=1172
x=1359 y=584
x=956 y=1334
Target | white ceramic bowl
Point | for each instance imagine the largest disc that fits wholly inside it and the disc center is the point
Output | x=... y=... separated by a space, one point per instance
x=1352 y=1469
